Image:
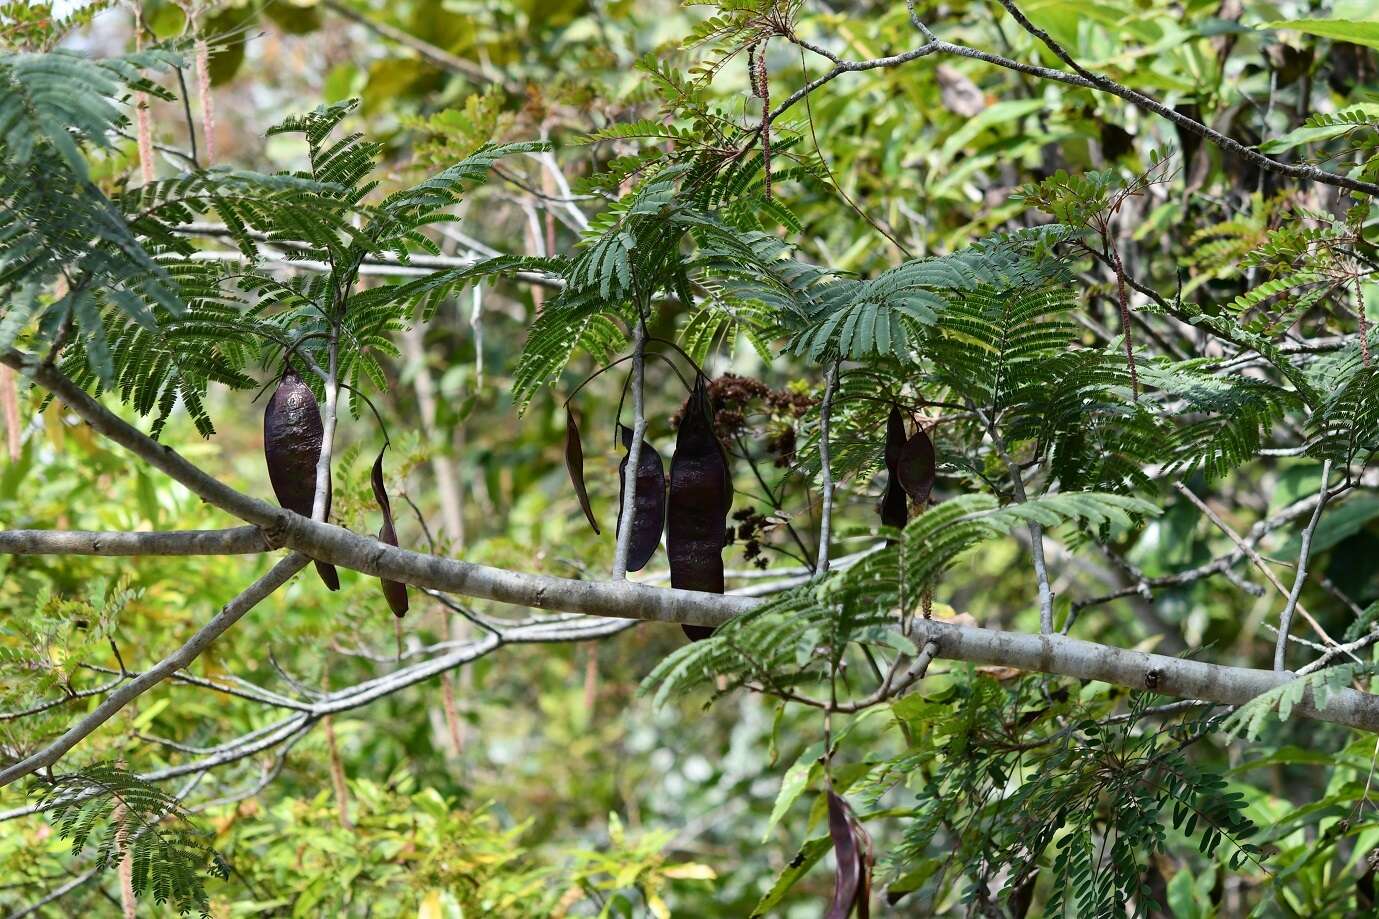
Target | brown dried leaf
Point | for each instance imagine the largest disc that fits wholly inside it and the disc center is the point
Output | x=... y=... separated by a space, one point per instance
x=958 y=93
x=574 y=465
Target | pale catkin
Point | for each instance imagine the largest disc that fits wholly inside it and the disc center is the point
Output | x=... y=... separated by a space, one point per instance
x=337 y=775
x=763 y=89
x=144 y=122
x=143 y=118
x=9 y=406
x=1364 y=321
x=125 y=872
x=203 y=91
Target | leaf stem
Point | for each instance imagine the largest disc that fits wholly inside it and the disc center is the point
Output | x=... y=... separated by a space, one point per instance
x=825 y=471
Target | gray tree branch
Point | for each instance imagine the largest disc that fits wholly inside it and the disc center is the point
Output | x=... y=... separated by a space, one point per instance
x=1042 y=653
x=234 y=541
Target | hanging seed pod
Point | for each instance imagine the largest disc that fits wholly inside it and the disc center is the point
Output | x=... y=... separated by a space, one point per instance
x=894 y=509
x=701 y=494
x=649 y=513
x=1023 y=896
x=895 y=437
x=574 y=465
x=394 y=591
x=853 y=852
x=855 y=857
x=916 y=467
x=292 y=436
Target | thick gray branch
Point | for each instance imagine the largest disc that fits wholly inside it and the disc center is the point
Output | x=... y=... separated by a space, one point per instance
x=233 y=541
x=1169 y=676
x=624 y=600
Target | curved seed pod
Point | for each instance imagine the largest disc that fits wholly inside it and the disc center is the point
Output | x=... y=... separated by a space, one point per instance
x=574 y=465
x=1023 y=897
x=895 y=511
x=394 y=591
x=292 y=435
x=649 y=515
x=916 y=467
x=895 y=436
x=866 y=859
x=847 y=882
x=701 y=494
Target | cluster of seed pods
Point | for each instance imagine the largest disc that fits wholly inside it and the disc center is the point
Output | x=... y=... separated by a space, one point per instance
x=692 y=511
x=912 y=467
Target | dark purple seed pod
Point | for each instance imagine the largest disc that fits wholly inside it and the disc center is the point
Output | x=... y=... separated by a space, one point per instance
x=701 y=494
x=895 y=436
x=649 y=512
x=847 y=882
x=574 y=465
x=292 y=436
x=395 y=592
x=895 y=511
x=917 y=466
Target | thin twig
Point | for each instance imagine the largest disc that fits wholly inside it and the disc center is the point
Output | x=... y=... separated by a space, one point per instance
x=1285 y=619
x=825 y=470
x=1081 y=78
x=423 y=49
x=1248 y=550
x=1036 y=531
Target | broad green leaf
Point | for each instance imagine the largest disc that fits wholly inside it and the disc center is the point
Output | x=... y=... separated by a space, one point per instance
x=1000 y=113
x=1347 y=30
x=793 y=785
x=1311 y=135
x=799 y=866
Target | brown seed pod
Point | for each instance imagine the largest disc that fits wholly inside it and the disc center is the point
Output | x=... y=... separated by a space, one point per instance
x=701 y=494
x=574 y=465
x=394 y=591
x=292 y=436
x=649 y=513
x=912 y=467
x=895 y=436
x=916 y=467
x=853 y=852
x=895 y=511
